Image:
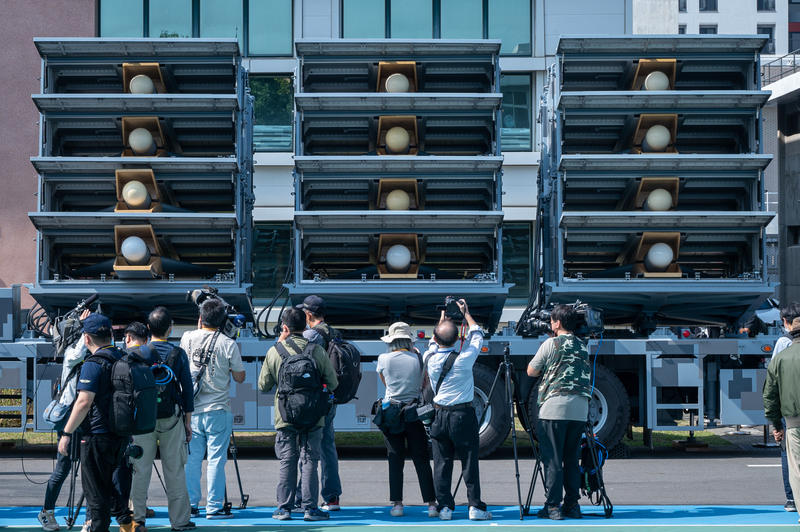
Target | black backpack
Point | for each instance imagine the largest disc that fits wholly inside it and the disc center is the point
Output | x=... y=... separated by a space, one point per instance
x=171 y=387
x=590 y=481
x=134 y=400
x=300 y=397
x=346 y=361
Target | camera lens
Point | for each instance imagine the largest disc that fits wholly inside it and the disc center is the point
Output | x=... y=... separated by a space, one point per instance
x=135 y=451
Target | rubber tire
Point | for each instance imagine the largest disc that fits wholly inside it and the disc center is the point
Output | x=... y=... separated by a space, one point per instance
x=498 y=425
x=612 y=390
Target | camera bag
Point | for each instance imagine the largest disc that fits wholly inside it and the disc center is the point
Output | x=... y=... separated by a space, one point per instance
x=300 y=397
x=346 y=361
x=425 y=412
x=167 y=393
x=57 y=413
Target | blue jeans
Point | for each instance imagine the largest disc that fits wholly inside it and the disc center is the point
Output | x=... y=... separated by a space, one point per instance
x=211 y=432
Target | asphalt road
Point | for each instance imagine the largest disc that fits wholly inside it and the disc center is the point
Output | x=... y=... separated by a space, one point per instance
x=660 y=477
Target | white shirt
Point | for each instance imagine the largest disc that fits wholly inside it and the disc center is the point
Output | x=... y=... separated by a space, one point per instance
x=781 y=344
x=458 y=386
x=73 y=356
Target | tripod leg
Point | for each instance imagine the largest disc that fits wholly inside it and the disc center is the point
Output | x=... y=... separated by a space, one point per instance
x=510 y=397
x=160 y=479
x=234 y=451
x=522 y=412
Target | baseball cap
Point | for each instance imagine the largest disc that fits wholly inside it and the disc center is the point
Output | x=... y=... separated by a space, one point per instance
x=313 y=304
x=94 y=322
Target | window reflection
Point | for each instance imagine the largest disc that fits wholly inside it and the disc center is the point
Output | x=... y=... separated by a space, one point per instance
x=273 y=113
x=516 y=131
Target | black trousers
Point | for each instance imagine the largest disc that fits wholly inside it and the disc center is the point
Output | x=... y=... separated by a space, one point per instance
x=59 y=475
x=560 y=445
x=100 y=456
x=417 y=439
x=456 y=431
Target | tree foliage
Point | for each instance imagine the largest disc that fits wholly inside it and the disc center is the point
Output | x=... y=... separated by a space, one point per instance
x=273 y=105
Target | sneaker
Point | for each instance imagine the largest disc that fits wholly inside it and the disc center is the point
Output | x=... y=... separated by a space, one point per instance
x=149 y=513
x=332 y=505
x=789 y=506
x=195 y=511
x=432 y=511
x=297 y=505
x=282 y=514
x=87 y=526
x=550 y=512
x=127 y=527
x=573 y=512
x=139 y=527
x=315 y=514
x=219 y=514
x=476 y=514
x=188 y=526
x=445 y=514
x=48 y=520
x=397 y=511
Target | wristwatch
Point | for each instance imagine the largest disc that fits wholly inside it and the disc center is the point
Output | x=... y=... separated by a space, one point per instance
x=68 y=434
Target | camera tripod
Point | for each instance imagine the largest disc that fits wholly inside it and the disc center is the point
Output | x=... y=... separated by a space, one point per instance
x=511 y=391
x=227 y=506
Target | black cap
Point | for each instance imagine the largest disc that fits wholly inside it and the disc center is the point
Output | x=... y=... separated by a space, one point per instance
x=313 y=304
x=94 y=322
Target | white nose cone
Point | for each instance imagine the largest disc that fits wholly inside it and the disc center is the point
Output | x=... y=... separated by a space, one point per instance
x=658 y=258
x=141 y=141
x=658 y=200
x=656 y=139
x=656 y=81
x=398 y=259
x=135 y=251
x=398 y=200
x=135 y=195
x=397 y=83
x=141 y=84
x=397 y=140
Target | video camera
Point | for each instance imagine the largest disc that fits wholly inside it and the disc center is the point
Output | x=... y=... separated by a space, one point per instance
x=451 y=309
x=590 y=320
x=233 y=321
x=67 y=328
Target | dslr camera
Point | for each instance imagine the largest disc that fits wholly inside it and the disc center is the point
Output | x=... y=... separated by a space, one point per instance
x=233 y=321
x=590 y=321
x=451 y=309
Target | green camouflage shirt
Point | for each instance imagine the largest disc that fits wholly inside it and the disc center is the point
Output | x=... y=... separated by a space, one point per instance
x=570 y=372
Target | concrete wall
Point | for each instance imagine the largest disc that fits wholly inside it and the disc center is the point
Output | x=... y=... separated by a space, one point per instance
x=789 y=225
x=655 y=17
x=586 y=17
x=20 y=67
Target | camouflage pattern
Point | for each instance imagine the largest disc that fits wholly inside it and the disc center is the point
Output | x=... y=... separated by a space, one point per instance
x=570 y=372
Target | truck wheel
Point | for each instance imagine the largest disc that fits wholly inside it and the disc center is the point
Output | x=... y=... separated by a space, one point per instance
x=497 y=424
x=609 y=407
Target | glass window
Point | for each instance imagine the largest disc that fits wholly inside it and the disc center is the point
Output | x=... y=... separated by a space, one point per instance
x=682 y=29
x=270 y=27
x=462 y=19
x=272 y=130
x=364 y=19
x=171 y=18
x=121 y=18
x=682 y=6
x=708 y=30
x=221 y=18
x=412 y=19
x=510 y=20
x=769 y=31
x=794 y=40
x=516 y=131
x=766 y=5
x=271 y=254
x=517 y=259
x=708 y=5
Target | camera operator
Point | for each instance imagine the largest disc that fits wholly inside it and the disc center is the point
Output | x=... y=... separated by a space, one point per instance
x=400 y=371
x=101 y=449
x=455 y=425
x=213 y=358
x=564 y=393
x=73 y=356
x=173 y=429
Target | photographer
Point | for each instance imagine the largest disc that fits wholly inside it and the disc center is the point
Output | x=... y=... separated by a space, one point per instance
x=455 y=425
x=564 y=394
x=400 y=371
x=101 y=449
x=173 y=427
x=214 y=358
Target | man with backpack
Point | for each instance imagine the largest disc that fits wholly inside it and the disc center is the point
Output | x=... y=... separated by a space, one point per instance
x=306 y=380
x=214 y=359
x=173 y=427
x=101 y=448
x=455 y=426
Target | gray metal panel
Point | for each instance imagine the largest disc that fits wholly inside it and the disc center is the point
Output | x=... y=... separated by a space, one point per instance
x=126 y=48
x=159 y=165
x=398 y=163
x=376 y=220
x=661 y=44
x=664 y=162
x=45 y=221
x=397 y=102
x=664 y=99
x=136 y=103
x=677 y=219
x=387 y=47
